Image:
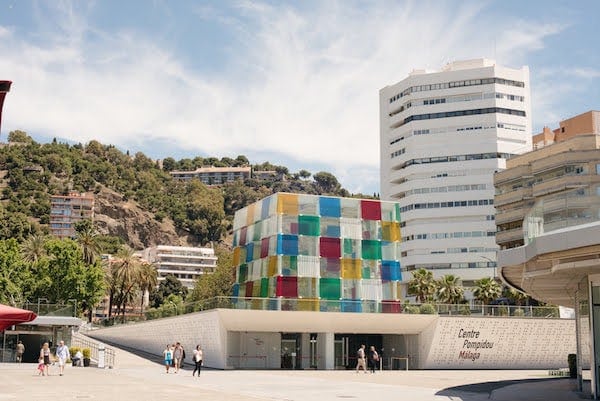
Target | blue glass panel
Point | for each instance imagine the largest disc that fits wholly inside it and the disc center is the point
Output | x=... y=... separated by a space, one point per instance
x=330 y=207
x=249 y=251
x=350 y=305
x=287 y=244
x=390 y=270
x=264 y=213
x=236 y=290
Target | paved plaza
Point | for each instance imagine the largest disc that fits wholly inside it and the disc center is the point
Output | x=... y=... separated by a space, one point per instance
x=136 y=378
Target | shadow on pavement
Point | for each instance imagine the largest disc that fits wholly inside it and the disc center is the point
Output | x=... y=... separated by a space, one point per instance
x=488 y=387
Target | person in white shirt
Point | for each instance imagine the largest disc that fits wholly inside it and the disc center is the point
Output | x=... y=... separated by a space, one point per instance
x=62 y=353
x=198 y=356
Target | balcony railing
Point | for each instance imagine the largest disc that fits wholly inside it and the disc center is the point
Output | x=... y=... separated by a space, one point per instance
x=357 y=306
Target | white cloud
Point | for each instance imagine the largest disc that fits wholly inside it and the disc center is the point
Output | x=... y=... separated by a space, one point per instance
x=302 y=84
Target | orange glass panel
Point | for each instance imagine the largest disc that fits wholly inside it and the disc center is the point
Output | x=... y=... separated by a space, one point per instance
x=287 y=204
x=351 y=268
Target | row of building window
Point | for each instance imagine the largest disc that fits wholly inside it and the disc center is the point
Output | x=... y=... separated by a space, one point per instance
x=459 y=98
x=461 y=128
x=459 y=113
x=426 y=251
x=458 y=234
x=460 y=265
x=456 y=158
x=456 y=84
x=449 y=188
x=397 y=153
x=436 y=205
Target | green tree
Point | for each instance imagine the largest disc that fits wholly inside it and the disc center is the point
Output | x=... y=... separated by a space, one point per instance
x=14 y=274
x=19 y=137
x=169 y=286
x=486 y=290
x=220 y=282
x=326 y=182
x=422 y=285
x=33 y=248
x=169 y=164
x=449 y=289
x=126 y=272
x=148 y=280
x=87 y=237
x=304 y=174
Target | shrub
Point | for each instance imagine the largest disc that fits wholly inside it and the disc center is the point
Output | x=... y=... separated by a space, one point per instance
x=503 y=311
x=427 y=309
x=465 y=310
x=87 y=353
x=519 y=312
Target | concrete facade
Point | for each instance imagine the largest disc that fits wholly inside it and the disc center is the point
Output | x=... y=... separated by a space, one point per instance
x=66 y=210
x=443 y=135
x=252 y=339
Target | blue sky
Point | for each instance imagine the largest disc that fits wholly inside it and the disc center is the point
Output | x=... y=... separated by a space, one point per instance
x=293 y=83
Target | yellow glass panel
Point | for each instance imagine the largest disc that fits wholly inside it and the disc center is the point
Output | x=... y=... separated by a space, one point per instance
x=308 y=304
x=351 y=268
x=250 y=214
x=272 y=268
x=390 y=230
x=236 y=256
x=256 y=288
x=287 y=204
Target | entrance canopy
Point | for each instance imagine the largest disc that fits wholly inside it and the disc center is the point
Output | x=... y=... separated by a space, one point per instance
x=10 y=316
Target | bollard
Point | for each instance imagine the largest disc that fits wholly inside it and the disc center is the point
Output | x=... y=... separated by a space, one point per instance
x=101 y=350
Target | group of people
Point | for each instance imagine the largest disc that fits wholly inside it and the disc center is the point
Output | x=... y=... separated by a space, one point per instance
x=45 y=359
x=366 y=359
x=174 y=354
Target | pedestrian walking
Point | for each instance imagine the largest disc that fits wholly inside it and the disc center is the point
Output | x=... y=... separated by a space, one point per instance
x=360 y=359
x=20 y=351
x=168 y=355
x=45 y=356
x=373 y=359
x=177 y=355
x=198 y=357
x=63 y=354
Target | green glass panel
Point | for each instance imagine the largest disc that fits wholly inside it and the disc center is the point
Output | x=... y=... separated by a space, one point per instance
x=257 y=231
x=371 y=249
x=330 y=288
x=264 y=287
x=309 y=225
x=243 y=276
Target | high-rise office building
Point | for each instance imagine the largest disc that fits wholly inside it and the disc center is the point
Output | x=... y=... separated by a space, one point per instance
x=443 y=136
x=67 y=210
x=4 y=89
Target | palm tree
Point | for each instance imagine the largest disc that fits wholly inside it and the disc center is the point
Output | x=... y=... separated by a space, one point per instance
x=422 y=285
x=126 y=272
x=148 y=280
x=87 y=238
x=33 y=249
x=486 y=290
x=449 y=289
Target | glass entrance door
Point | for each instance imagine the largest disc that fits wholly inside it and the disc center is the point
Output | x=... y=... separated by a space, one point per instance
x=341 y=352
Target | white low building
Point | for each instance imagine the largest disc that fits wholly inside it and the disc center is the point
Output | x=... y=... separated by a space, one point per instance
x=185 y=263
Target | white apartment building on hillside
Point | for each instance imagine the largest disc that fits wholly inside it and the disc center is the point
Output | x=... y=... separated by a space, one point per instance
x=443 y=135
x=185 y=263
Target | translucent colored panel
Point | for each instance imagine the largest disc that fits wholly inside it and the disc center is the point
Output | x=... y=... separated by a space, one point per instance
x=287 y=244
x=249 y=252
x=243 y=273
x=236 y=290
x=390 y=211
x=287 y=287
x=264 y=247
x=257 y=250
x=370 y=210
x=390 y=250
x=236 y=238
x=239 y=219
x=371 y=269
x=307 y=287
x=287 y=204
x=270 y=227
x=264 y=208
x=243 y=232
x=371 y=249
x=371 y=289
x=330 y=267
x=242 y=290
x=351 y=269
x=254 y=270
x=371 y=229
x=256 y=288
x=289 y=224
x=351 y=289
x=308 y=266
x=249 y=233
x=390 y=231
x=370 y=306
x=329 y=288
x=249 y=286
x=250 y=214
x=273 y=241
x=264 y=287
x=329 y=207
x=330 y=306
x=350 y=208
x=311 y=305
x=272 y=267
x=307 y=204
x=351 y=305
x=289 y=265
x=272 y=286
x=235 y=259
x=309 y=225
x=351 y=248
x=390 y=270
x=391 y=306
x=242 y=254
x=330 y=227
x=257 y=234
x=350 y=228
x=330 y=247
x=308 y=246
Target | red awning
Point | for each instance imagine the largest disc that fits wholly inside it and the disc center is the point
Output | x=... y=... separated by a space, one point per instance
x=10 y=316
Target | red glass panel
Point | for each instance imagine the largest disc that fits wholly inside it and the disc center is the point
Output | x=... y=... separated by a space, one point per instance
x=243 y=232
x=370 y=210
x=287 y=287
x=264 y=248
x=330 y=247
x=249 y=289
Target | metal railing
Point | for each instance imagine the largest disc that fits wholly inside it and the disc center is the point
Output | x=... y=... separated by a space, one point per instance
x=47 y=309
x=359 y=306
x=81 y=341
